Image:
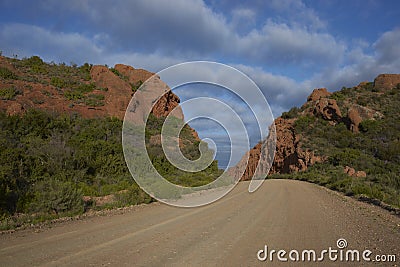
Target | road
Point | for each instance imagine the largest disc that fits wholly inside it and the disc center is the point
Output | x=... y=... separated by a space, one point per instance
x=282 y=214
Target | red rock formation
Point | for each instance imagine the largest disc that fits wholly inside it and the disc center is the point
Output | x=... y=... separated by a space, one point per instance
x=353 y=173
x=349 y=171
x=328 y=109
x=357 y=114
x=134 y=75
x=165 y=104
x=289 y=156
x=119 y=91
x=319 y=104
x=361 y=174
x=355 y=120
x=318 y=93
x=386 y=81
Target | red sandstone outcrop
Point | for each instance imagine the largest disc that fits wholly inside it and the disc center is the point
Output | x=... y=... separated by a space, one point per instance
x=356 y=114
x=119 y=91
x=386 y=81
x=289 y=155
x=318 y=93
x=150 y=93
x=319 y=104
x=134 y=75
x=43 y=95
x=353 y=173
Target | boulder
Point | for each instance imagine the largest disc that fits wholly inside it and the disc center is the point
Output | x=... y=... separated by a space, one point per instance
x=328 y=109
x=318 y=93
x=384 y=82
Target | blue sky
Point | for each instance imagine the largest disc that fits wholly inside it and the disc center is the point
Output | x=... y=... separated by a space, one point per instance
x=288 y=47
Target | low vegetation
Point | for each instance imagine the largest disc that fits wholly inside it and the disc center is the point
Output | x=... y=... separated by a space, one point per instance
x=48 y=162
x=8 y=93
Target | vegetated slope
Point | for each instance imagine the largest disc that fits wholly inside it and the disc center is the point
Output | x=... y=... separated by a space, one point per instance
x=348 y=140
x=60 y=139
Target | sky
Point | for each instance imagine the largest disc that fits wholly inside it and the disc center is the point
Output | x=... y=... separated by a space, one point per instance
x=288 y=47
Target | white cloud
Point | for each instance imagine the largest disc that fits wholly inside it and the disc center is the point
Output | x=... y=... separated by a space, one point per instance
x=298 y=13
x=156 y=34
x=192 y=30
x=282 y=44
x=26 y=40
x=388 y=49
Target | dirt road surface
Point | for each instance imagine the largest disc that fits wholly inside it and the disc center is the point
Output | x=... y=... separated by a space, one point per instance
x=282 y=214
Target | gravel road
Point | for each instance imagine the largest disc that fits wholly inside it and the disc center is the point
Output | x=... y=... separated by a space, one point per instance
x=282 y=215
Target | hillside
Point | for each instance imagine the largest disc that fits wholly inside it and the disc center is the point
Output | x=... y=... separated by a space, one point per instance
x=348 y=140
x=60 y=139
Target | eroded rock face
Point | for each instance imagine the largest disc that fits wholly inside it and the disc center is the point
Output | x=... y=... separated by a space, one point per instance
x=328 y=109
x=386 y=81
x=318 y=93
x=119 y=92
x=253 y=156
x=349 y=171
x=355 y=120
x=319 y=104
x=357 y=114
x=166 y=104
x=289 y=156
x=133 y=75
x=149 y=94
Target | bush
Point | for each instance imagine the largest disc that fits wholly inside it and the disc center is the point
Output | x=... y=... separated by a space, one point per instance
x=8 y=93
x=94 y=100
x=7 y=74
x=58 y=82
x=292 y=113
x=132 y=196
x=136 y=86
x=36 y=65
x=303 y=123
x=73 y=95
x=54 y=196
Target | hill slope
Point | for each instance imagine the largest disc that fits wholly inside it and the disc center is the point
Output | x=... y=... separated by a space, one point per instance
x=348 y=140
x=60 y=139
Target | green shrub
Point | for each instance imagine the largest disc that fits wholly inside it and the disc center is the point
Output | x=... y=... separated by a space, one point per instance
x=36 y=65
x=73 y=95
x=292 y=113
x=54 y=196
x=94 y=100
x=304 y=123
x=85 y=88
x=132 y=196
x=116 y=72
x=7 y=74
x=58 y=82
x=136 y=86
x=8 y=93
